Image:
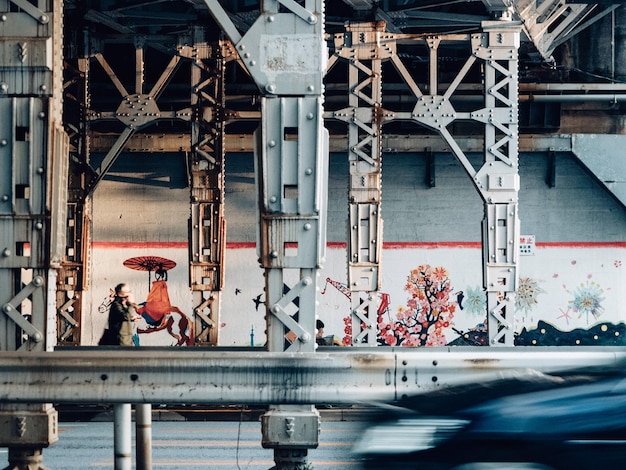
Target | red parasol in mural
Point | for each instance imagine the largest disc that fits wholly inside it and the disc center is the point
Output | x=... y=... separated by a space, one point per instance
x=151 y=263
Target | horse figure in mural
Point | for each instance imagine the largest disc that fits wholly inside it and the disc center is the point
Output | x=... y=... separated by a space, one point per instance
x=159 y=314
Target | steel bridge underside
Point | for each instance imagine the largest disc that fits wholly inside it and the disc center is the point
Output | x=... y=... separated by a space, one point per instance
x=204 y=71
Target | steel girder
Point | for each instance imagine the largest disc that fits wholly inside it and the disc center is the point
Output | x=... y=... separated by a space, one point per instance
x=137 y=109
x=206 y=168
x=33 y=151
x=73 y=271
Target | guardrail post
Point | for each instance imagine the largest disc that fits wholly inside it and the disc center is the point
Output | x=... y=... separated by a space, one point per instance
x=143 y=436
x=122 y=436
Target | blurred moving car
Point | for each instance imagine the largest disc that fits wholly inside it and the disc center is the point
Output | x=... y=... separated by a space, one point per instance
x=572 y=421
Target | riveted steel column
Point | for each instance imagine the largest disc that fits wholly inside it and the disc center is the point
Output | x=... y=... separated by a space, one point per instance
x=284 y=51
x=363 y=47
x=73 y=270
x=498 y=179
x=207 y=225
x=33 y=152
x=291 y=158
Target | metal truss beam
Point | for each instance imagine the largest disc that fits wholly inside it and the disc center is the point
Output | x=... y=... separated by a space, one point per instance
x=552 y=22
x=348 y=376
x=137 y=109
x=494 y=54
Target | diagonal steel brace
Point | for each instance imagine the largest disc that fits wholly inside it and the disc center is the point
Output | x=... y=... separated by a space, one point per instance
x=11 y=311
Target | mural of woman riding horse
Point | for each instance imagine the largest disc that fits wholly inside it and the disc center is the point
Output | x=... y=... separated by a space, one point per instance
x=159 y=314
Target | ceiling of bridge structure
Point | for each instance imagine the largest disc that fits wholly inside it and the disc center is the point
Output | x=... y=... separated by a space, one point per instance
x=547 y=24
x=98 y=25
x=113 y=29
x=141 y=47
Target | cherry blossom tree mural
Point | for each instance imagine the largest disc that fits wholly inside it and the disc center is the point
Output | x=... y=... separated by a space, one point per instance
x=427 y=314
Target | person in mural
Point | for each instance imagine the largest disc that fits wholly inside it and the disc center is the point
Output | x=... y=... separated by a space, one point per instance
x=122 y=315
x=328 y=340
x=160 y=314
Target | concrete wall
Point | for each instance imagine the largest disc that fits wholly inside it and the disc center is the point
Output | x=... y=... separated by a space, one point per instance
x=573 y=280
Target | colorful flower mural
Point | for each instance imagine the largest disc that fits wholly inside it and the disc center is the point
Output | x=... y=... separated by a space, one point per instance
x=427 y=314
x=527 y=292
x=475 y=301
x=588 y=300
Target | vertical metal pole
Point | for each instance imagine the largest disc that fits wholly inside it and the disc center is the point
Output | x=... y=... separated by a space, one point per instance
x=122 y=436
x=143 y=436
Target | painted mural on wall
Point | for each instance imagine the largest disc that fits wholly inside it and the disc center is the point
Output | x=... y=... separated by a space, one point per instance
x=158 y=315
x=429 y=297
x=428 y=317
x=428 y=312
x=424 y=319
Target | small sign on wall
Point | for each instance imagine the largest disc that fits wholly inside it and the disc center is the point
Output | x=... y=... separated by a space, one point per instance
x=527 y=245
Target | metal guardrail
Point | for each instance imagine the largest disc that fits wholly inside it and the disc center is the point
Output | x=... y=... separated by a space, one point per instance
x=210 y=376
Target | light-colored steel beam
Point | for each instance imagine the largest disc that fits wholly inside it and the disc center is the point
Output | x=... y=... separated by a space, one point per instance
x=552 y=22
x=392 y=143
x=174 y=376
x=285 y=54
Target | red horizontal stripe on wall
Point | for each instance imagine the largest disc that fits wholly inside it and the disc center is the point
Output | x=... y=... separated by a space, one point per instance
x=138 y=245
x=580 y=244
x=386 y=245
x=429 y=245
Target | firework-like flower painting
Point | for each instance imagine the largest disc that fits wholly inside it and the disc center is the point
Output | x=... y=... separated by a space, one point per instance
x=428 y=311
x=527 y=292
x=475 y=301
x=588 y=300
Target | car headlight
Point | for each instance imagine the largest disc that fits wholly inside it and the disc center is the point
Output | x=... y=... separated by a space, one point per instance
x=407 y=435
